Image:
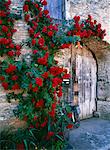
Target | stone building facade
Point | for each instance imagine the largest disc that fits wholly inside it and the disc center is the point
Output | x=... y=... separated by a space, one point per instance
x=98 y=51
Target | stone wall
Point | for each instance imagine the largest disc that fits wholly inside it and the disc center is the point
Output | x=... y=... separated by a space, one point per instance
x=6 y=109
x=99 y=9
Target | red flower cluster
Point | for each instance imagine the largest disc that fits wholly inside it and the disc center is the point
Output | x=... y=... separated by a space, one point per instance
x=45 y=75
x=5 y=85
x=50 y=33
x=44 y=123
x=65 y=46
x=49 y=135
x=87 y=28
x=25 y=8
x=46 y=12
x=39 y=81
x=69 y=126
x=55 y=70
x=11 y=53
x=11 y=68
x=41 y=41
x=4 y=28
x=15 y=86
x=40 y=104
x=43 y=60
x=56 y=81
x=14 y=77
x=2 y=78
x=66 y=76
x=44 y=2
x=69 y=115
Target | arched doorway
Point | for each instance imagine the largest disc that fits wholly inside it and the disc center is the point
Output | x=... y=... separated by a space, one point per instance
x=82 y=61
x=86 y=74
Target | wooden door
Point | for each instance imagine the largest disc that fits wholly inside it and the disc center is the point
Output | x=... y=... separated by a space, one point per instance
x=86 y=74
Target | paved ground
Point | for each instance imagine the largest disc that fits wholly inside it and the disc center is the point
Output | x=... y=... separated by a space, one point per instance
x=93 y=134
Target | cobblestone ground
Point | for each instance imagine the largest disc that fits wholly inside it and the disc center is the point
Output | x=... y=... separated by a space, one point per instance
x=93 y=134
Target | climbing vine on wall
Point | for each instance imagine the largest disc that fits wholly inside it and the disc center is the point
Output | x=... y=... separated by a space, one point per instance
x=40 y=80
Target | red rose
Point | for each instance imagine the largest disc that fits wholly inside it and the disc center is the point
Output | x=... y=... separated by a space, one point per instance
x=0 y=22
x=15 y=86
x=2 y=14
x=11 y=53
x=25 y=8
x=69 y=115
x=39 y=81
x=36 y=35
x=35 y=89
x=36 y=5
x=31 y=31
x=11 y=45
x=44 y=48
x=2 y=78
x=44 y=2
x=9 y=34
x=11 y=68
x=18 y=47
x=60 y=94
x=18 y=53
x=35 y=118
x=52 y=113
x=77 y=18
x=35 y=51
x=14 y=78
x=4 y=29
x=5 y=85
x=46 y=12
x=99 y=25
x=42 y=61
x=49 y=135
x=55 y=70
x=34 y=27
x=44 y=29
x=50 y=33
x=40 y=104
x=33 y=42
x=66 y=76
x=45 y=75
x=54 y=105
x=27 y=16
x=56 y=81
x=14 y=30
x=41 y=41
x=44 y=124
x=69 y=126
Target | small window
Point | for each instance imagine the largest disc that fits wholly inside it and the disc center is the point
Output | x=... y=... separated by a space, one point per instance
x=56 y=8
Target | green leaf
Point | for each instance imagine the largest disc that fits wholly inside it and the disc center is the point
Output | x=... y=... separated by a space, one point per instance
x=26 y=145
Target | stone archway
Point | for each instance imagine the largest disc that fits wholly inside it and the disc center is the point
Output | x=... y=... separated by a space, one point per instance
x=86 y=68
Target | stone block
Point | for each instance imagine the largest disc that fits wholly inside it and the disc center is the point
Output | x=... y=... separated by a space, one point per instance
x=103 y=107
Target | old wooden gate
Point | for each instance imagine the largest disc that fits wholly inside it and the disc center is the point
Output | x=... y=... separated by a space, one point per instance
x=86 y=74
x=85 y=66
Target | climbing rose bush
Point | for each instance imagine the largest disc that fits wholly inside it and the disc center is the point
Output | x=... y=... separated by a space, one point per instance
x=7 y=46
x=40 y=104
x=86 y=28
